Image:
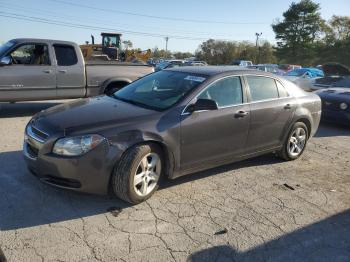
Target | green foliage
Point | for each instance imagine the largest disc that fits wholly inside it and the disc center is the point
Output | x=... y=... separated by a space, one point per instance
x=340 y=28
x=160 y=53
x=335 y=46
x=127 y=44
x=303 y=37
x=181 y=55
x=301 y=27
x=217 y=52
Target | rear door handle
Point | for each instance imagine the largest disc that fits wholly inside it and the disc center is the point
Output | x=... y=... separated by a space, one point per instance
x=287 y=106
x=62 y=71
x=241 y=114
x=47 y=71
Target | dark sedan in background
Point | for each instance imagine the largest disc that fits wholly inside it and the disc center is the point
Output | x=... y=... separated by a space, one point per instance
x=167 y=124
x=335 y=105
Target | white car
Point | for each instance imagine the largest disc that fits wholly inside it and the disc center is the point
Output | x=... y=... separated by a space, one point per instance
x=304 y=77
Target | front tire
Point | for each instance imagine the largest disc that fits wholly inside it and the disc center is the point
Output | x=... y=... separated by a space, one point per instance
x=295 y=142
x=137 y=175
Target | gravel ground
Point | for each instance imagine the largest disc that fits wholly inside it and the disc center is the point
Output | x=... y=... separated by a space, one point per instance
x=262 y=209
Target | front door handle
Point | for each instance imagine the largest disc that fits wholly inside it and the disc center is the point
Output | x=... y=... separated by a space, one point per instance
x=241 y=114
x=62 y=71
x=287 y=106
x=47 y=71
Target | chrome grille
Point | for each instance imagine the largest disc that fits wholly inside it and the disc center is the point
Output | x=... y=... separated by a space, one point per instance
x=34 y=141
x=36 y=134
x=39 y=133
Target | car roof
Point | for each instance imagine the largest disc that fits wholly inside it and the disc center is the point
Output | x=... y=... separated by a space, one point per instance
x=38 y=40
x=217 y=70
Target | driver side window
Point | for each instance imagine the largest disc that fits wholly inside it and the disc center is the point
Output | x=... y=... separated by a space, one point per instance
x=31 y=54
x=225 y=92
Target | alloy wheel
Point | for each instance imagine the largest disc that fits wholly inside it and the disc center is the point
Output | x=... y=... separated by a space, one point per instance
x=147 y=174
x=297 y=142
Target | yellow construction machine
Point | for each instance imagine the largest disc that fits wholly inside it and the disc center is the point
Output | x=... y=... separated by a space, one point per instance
x=111 y=49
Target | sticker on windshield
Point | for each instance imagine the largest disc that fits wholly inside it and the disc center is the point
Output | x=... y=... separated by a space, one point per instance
x=195 y=78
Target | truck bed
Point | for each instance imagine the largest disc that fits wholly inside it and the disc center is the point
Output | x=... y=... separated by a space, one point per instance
x=113 y=63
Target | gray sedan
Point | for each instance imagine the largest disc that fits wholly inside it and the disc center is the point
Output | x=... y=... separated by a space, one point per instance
x=168 y=124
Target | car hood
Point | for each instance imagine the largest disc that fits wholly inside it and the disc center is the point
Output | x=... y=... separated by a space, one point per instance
x=335 y=93
x=335 y=69
x=89 y=113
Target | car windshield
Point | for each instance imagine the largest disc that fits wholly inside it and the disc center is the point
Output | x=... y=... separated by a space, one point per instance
x=5 y=47
x=160 y=90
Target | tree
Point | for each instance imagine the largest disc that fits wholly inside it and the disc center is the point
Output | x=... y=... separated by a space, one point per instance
x=217 y=52
x=296 y=35
x=127 y=44
x=339 y=28
x=182 y=55
x=160 y=53
x=335 y=46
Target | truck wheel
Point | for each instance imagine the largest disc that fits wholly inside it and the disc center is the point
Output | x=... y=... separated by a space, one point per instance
x=114 y=87
x=136 y=177
x=295 y=142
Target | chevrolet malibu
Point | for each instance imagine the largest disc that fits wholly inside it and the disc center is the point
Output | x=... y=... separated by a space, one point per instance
x=168 y=124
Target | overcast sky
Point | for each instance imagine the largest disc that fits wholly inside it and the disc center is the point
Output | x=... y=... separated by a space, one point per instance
x=146 y=23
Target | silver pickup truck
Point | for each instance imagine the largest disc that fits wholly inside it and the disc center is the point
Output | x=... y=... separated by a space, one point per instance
x=41 y=69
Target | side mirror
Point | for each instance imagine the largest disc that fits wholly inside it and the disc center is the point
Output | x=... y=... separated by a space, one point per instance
x=6 y=60
x=203 y=104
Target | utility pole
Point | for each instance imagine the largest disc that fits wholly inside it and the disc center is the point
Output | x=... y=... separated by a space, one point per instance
x=257 y=46
x=166 y=45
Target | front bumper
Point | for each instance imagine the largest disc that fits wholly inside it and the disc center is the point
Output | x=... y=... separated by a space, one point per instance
x=88 y=173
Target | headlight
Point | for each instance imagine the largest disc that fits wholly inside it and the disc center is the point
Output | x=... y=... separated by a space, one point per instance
x=75 y=146
x=343 y=106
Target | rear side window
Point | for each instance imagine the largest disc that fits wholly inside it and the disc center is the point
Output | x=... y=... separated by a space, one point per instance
x=262 y=88
x=281 y=90
x=225 y=92
x=65 y=55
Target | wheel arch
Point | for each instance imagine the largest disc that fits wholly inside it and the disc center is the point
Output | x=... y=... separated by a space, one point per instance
x=114 y=81
x=150 y=139
x=307 y=122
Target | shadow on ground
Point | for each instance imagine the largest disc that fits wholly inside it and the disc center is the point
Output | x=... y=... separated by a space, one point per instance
x=326 y=240
x=24 y=108
x=329 y=129
x=27 y=202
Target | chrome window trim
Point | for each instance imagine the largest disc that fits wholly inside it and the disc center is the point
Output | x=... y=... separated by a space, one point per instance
x=183 y=113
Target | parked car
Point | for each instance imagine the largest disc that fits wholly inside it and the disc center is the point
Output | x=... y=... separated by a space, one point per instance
x=304 y=77
x=169 y=64
x=271 y=68
x=168 y=124
x=195 y=63
x=244 y=63
x=335 y=105
x=41 y=69
x=288 y=67
x=335 y=75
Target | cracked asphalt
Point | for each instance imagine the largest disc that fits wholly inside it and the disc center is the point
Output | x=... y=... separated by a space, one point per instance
x=261 y=209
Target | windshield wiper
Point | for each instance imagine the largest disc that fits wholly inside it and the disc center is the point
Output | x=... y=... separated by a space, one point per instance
x=135 y=103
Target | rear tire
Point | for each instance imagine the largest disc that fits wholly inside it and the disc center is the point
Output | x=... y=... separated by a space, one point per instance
x=295 y=143
x=136 y=177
